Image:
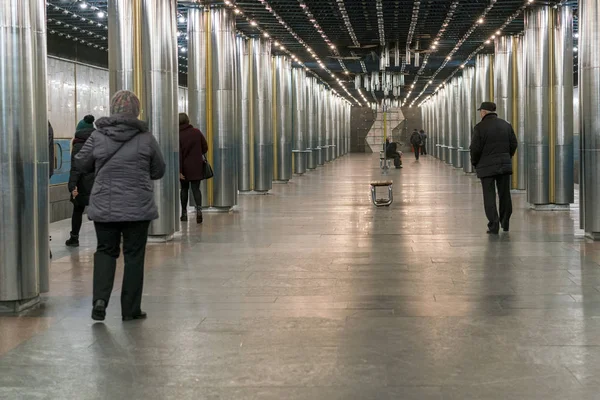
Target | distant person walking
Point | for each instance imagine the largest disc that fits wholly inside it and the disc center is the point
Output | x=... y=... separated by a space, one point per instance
x=423 y=142
x=80 y=183
x=192 y=148
x=126 y=159
x=492 y=147
x=416 y=141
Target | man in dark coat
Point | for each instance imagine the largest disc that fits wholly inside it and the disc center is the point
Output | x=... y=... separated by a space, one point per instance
x=80 y=183
x=392 y=151
x=192 y=148
x=492 y=147
x=423 y=142
x=416 y=141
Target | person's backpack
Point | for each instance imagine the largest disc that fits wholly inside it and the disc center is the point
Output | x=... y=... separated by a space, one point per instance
x=415 y=139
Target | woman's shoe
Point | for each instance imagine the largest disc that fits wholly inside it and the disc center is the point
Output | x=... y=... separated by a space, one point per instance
x=73 y=241
x=141 y=315
x=199 y=218
x=184 y=218
x=99 y=310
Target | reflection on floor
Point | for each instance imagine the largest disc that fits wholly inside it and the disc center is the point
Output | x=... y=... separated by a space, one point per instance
x=313 y=293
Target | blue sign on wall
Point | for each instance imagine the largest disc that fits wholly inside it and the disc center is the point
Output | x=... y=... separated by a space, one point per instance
x=62 y=161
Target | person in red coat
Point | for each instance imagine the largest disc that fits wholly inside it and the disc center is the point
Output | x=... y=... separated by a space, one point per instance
x=192 y=148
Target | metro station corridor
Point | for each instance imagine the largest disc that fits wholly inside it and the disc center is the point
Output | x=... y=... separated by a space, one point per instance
x=312 y=293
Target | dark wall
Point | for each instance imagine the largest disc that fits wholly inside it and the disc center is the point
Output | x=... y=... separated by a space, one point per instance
x=412 y=121
x=361 y=121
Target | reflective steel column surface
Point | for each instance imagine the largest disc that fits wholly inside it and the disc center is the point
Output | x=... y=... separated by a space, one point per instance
x=299 y=118
x=589 y=124
x=24 y=253
x=159 y=60
x=327 y=124
x=519 y=110
x=120 y=46
x=503 y=77
x=245 y=143
x=456 y=84
x=311 y=118
x=468 y=117
x=537 y=34
x=261 y=109
x=443 y=108
x=283 y=111
x=564 y=185
x=320 y=107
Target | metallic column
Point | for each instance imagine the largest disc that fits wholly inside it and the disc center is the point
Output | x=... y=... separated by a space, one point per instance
x=537 y=34
x=503 y=77
x=311 y=118
x=261 y=109
x=245 y=163
x=299 y=119
x=468 y=111
x=327 y=124
x=564 y=185
x=243 y=160
x=483 y=79
x=549 y=65
x=282 y=115
x=143 y=59
x=443 y=123
x=519 y=109
x=23 y=154
x=589 y=104
x=320 y=127
x=456 y=122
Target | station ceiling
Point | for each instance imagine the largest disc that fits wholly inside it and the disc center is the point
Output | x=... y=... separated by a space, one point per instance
x=339 y=39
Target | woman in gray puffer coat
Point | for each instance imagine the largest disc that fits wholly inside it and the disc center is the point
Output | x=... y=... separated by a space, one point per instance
x=126 y=158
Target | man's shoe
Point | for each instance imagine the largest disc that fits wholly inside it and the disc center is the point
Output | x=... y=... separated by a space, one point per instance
x=141 y=315
x=99 y=310
x=184 y=218
x=506 y=227
x=490 y=232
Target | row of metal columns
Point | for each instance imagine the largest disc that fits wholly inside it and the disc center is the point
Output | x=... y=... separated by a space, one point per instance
x=530 y=78
x=263 y=119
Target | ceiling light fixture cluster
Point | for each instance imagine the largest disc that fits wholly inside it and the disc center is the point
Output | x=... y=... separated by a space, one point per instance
x=281 y=47
x=319 y=29
x=380 y=21
x=508 y=21
x=457 y=46
x=411 y=30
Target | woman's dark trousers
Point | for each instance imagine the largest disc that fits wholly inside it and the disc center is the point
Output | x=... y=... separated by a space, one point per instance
x=77 y=219
x=185 y=189
x=135 y=236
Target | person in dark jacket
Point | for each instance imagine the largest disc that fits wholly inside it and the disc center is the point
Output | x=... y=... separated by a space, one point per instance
x=423 y=142
x=126 y=159
x=392 y=151
x=192 y=148
x=80 y=184
x=415 y=140
x=492 y=147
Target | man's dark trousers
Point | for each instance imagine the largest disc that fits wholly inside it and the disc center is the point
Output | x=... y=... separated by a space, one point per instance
x=489 y=184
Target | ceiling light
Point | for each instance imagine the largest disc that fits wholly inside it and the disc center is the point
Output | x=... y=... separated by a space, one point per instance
x=347 y=72
x=100 y=14
x=83 y=5
x=575 y=49
x=480 y=21
x=236 y=10
x=332 y=46
x=498 y=33
x=253 y=23
x=276 y=43
x=487 y=41
x=265 y=34
x=181 y=19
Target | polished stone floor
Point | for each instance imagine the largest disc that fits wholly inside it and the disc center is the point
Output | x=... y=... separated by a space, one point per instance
x=313 y=293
